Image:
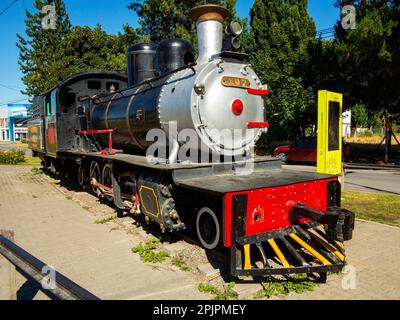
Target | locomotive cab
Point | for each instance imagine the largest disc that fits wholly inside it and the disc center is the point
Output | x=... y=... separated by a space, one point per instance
x=59 y=113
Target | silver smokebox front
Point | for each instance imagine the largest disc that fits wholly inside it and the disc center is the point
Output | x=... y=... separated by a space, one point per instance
x=210 y=28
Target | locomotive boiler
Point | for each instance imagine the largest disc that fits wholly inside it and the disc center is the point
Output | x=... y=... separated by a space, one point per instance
x=99 y=127
x=191 y=98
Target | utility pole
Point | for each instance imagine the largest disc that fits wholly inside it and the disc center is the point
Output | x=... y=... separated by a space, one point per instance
x=388 y=124
x=388 y=131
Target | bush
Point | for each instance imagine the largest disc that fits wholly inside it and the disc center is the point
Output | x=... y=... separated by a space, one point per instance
x=12 y=157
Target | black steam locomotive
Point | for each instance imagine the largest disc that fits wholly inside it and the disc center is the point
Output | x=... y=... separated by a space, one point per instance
x=173 y=141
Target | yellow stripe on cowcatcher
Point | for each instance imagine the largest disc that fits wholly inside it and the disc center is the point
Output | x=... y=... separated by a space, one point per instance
x=247 y=262
x=279 y=253
x=327 y=246
x=310 y=249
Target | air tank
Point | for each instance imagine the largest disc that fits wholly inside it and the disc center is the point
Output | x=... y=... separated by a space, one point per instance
x=173 y=54
x=141 y=63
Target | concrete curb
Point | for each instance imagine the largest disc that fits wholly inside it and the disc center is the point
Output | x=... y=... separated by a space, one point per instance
x=378 y=223
x=372 y=167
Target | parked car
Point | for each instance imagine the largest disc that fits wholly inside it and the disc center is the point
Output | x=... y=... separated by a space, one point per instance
x=305 y=150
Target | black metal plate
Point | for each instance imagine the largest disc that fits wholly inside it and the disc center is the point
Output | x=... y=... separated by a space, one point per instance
x=226 y=182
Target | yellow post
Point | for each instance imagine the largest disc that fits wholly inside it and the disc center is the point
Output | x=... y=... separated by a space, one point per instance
x=329 y=153
x=247 y=262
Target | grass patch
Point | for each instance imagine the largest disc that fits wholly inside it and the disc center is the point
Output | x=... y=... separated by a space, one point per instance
x=369 y=138
x=22 y=144
x=31 y=161
x=148 y=252
x=13 y=157
x=18 y=143
x=37 y=171
x=375 y=207
x=105 y=220
x=180 y=263
x=277 y=287
x=227 y=294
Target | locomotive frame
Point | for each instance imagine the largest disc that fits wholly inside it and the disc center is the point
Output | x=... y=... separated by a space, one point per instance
x=274 y=221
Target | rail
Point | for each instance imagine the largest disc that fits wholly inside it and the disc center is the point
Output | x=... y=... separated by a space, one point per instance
x=32 y=268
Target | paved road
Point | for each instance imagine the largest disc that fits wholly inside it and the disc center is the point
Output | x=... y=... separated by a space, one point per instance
x=373 y=258
x=376 y=181
x=61 y=233
x=379 y=181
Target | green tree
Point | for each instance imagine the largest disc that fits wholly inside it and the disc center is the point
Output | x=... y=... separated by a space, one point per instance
x=360 y=116
x=49 y=56
x=38 y=48
x=86 y=49
x=282 y=33
x=368 y=57
x=162 y=19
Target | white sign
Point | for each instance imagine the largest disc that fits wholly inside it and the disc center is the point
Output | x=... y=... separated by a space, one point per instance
x=347 y=117
x=346 y=124
x=18 y=112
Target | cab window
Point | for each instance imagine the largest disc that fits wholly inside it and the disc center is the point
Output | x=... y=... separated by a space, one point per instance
x=53 y=102
x=50 y=103
x=94 y=85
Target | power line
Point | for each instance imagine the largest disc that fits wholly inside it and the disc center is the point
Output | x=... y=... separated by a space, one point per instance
x=326 y=30
x=14 y=101
x=9 y=6
x=10 y=88
x=326 y=33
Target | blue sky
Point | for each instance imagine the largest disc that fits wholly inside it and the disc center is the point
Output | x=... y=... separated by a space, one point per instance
x=111 y=15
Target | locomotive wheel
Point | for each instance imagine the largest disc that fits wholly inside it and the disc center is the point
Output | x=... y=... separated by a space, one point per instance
x=82 y=180
x=106 y=179
x=208 y=228
x=95 y=174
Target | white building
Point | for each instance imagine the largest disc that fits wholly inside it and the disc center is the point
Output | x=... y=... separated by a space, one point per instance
x=12 y=122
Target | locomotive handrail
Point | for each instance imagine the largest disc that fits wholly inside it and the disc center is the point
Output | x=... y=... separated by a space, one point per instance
x=149 y=82
x=31 y=267
x=110 y=132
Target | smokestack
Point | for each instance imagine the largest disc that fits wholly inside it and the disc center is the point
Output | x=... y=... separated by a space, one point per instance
x=210 y=28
